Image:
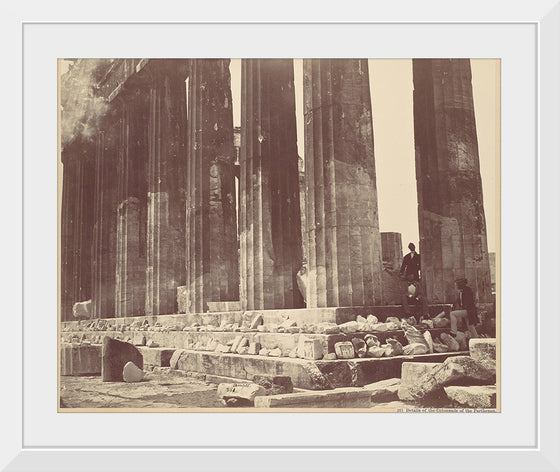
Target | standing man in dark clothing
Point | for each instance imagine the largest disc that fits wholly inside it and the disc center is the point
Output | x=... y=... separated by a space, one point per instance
x=411 y=264
x=464 y=308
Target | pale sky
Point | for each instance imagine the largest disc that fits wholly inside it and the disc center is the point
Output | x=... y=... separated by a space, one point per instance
x=391 y=94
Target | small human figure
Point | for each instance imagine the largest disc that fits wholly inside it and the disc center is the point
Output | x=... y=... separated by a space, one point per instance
x=411 y=264
x=414 y=298
x=464 y=308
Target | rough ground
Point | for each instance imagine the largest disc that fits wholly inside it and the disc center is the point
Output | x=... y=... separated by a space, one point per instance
x=155 y=391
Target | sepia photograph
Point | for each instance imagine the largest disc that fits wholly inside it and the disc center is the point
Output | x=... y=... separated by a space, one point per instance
x=274 y=234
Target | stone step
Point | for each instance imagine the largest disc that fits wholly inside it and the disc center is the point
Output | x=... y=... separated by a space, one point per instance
x=285 y=341
x=270 y=317
x=305 y=374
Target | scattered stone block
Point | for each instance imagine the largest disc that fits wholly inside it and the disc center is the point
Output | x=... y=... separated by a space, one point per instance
x=223 y=348
x=482 y=349
x=236 y=342
x=261 y=329
x=330 y=356
x=256 y=321
x=115 y=354
x=243 y=345
x=411 y=372
x=276 y=352
x=429 y=341
x=239 y=394
x=131 y=373
x=371 y=340
x=173 y=362
x=376 y=351
x=254 y=348
x=441 y=322
x=344 y=350
x=392 y=319
x=475 y=396
x=449 y=341
x=82 y=310
x=461 y=339
x=152 y=343
x=310 y=348
x=381 y=327
x=360 y=319
x=371 y=319
x=138 y=338
x=349 y=327
x=459 y=370
x=414 y=336
x=394 y=348
x=359 y=347
x=413 y=349
x=264 y=352
x=287 y=323
x=439 y=347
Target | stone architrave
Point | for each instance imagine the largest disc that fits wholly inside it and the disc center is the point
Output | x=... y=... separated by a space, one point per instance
x=212 y=259
x=269 y=222
x=453 y=240
x=114 y=356
x=344 y=242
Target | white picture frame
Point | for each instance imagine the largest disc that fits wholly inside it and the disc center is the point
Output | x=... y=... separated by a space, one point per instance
x=525 y=435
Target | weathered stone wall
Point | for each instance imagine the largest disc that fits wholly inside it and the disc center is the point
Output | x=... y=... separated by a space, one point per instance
x=450 y=206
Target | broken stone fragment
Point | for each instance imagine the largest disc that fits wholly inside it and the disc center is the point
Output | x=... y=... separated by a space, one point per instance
x=288 y=323
x=441 y=322
x=310 y=348
x=152 y=343
x=261 y=328
x=371 y=319
x=236 y=342
x=482 y=349
x=349 y=327
x=173 y=362
x=244 y=343
x=414 y=349
x=274 y=385
x=359 y=347
x=256 y=321
x=371 y=340
x=243 y=350
x=376 y=351
x=131 y=373
x=264 y=352
x=395 y=348
x=474 y=396
x=293 y=330
x=413 y=336
x=344 y=350
x=461 y=339
x=212 y=345
x=243 y=393
x=392 y=319
x=411 y=320
x=276 y=352
x=223 y=348
x=449 y=341
x=428 y=337
x=440 y=347
x=114 y=356
x=360 y=319
x=380 y=327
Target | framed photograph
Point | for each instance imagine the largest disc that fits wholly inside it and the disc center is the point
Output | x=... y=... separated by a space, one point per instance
x=199 y=186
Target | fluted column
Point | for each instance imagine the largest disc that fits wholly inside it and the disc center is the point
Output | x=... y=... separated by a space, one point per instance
x=130 y=290
x=344 y=264
x=270 y=231
x=105 y=216
x=451 y=216
x=76 y=224
x=166 y=185
x=212 y=258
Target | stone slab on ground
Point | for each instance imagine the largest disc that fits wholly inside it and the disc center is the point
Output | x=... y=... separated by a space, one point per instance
x=115 y=354
x=482 y=349
x=474 y=396
x=411 y=372
x=384 y=390
x=239 y=394
x=80 y=359
x=352 y=397
x=155 y=391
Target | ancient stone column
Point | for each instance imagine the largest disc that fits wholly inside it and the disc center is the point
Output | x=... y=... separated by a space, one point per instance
x=167 y=171
x=130 y=290
x=105 y=216
x=76 y=224
x=269 y=224
x=212 y=259
x=450 y=207
x=344 y=242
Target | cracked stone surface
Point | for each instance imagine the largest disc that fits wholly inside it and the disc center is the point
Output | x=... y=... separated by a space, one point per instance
x=154 y=391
